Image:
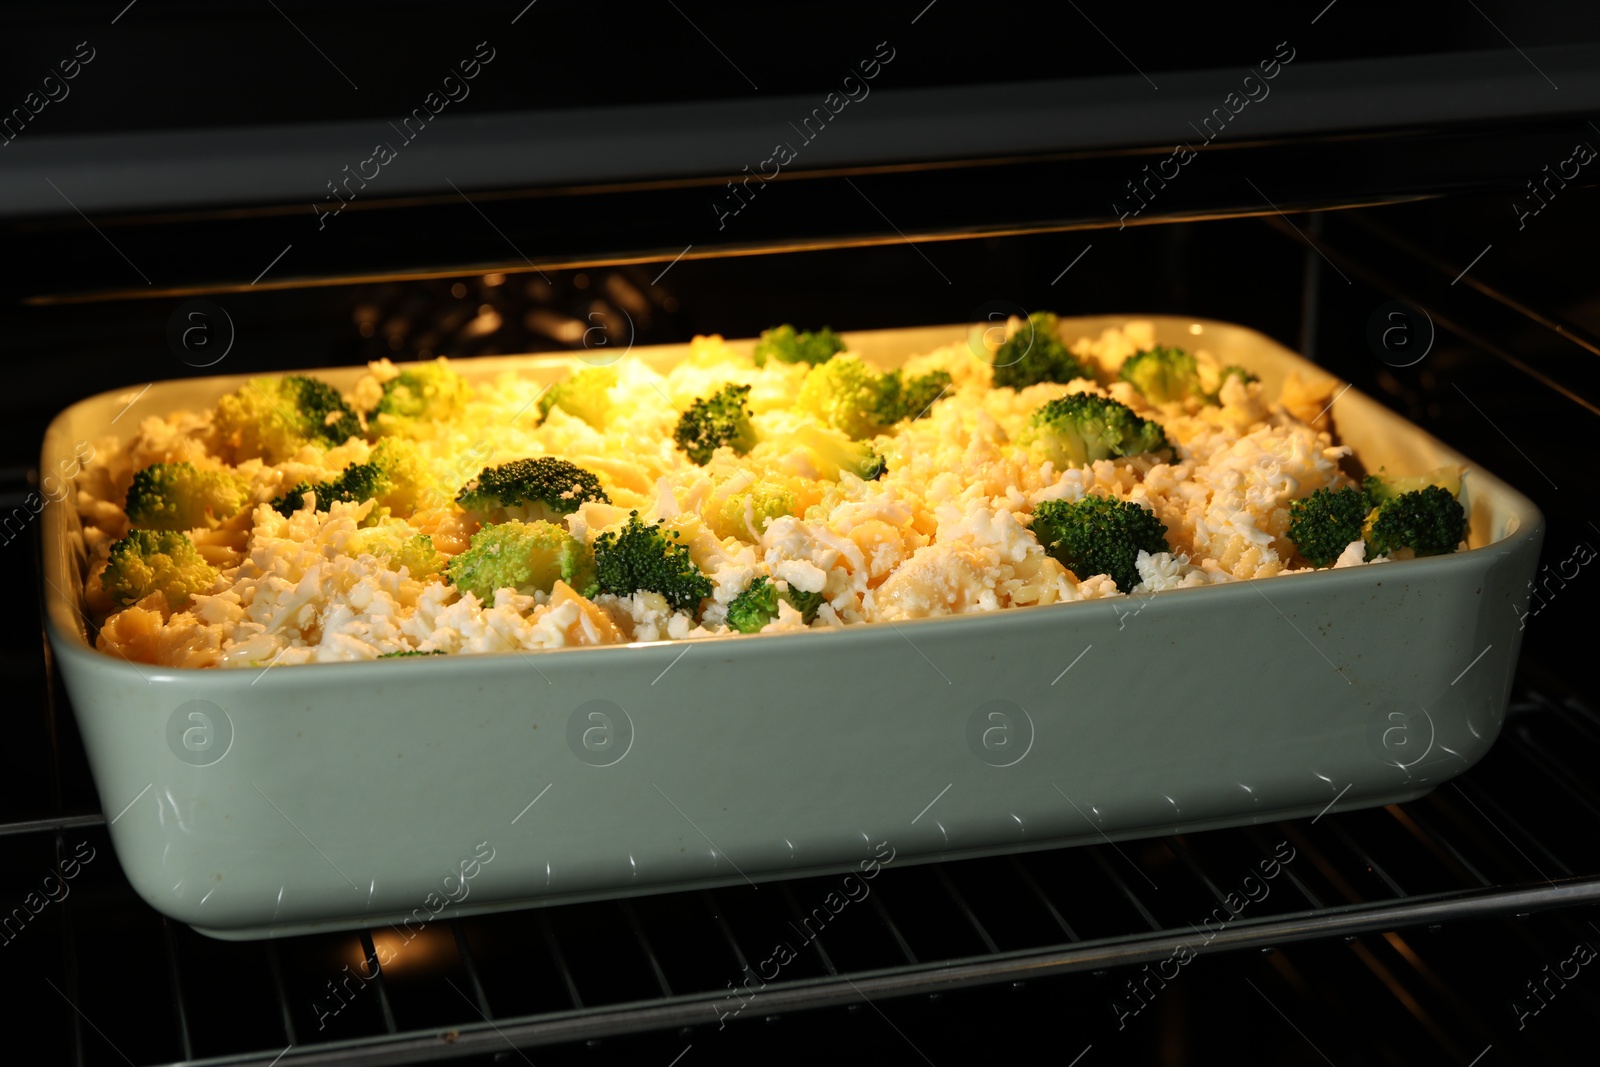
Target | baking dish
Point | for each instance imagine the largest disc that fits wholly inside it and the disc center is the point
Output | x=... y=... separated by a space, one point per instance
x=253 y=804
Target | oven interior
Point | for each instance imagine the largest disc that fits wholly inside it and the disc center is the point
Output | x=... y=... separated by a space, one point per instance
x=1455 y=928
x=1395 y=935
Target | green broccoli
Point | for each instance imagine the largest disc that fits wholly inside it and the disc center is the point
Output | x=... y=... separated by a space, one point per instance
x=394 y=475
x=755 y=607
x=273 y=418
x=1416 y=515
x=918 y=394
x=751 y=509
x=641 y=557
x=177 y=496
x=398 y=547
x=1162 y=374
x=1233 y=370
x=1325 y=523
x=156 y=561
x=758 y=605
x=1099 y=535
x=585 y=395
x=407 y=484
x=1428 y=521
x=413 y=652
x=1079 y=429
x=358 y=482
x=830 y=453
x=1035 y=354
x=803 y=602
x=910 y=398
x=783 y=344
x=526 y=557
x=429 y=392
x=1384 y=487
x=543 y=487
x=723 y=419
x=850 y=395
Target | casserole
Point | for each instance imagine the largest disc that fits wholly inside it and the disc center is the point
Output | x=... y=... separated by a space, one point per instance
x=253 y=804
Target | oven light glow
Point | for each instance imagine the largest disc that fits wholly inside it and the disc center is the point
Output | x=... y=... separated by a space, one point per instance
x=404 y=948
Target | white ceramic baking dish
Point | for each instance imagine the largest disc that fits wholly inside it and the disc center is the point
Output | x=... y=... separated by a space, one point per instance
x=253 y=804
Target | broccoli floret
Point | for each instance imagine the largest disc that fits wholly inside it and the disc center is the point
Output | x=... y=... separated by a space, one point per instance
x=758 y=605
x=585 y=395
x=418 y=556
x=358 y=482
x=803 y=602
x=829 y=454
x=1035 y=354
x=156 y=561
x=413 y=652
x=1075 y=430
x=428 y=392
x=641 y=556
x=850 y=395
x=543 y=487
x=1099 y=535
x=407 y=485
x=177 y=496
x=918 y=394
x=910 y=398
x=755 y=607
x=527 y=557
x=746 y=513
x=783 y=344
x=394 y=475
x=1324 y=524
x=273 y=418
x=1418 y=512
x=1429 y=521
x=723 y=419
x=1384 y=487
x=398 y=546
x=1162 y=374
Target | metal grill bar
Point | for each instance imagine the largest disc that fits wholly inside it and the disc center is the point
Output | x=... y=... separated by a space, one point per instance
x=632 y=919
x=70 y=962
x=375 y=969
x=275 y=967
x=1442 y=846
x=816 y=942
x=1105 y=866
x=1544 y=761
x=724 y=930
x=1503 y=821
x=1084 y=956
x=1038 y=893
x=179 y=1007
x=54 y=822
x=561 y=961
x=894 y=929
x=470 y=965
x=1356 y=847
x=961 y=903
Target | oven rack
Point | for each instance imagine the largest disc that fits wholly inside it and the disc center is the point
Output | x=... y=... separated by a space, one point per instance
x=1472 y=850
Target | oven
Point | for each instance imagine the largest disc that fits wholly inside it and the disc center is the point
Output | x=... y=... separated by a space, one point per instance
x=1405 y=196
